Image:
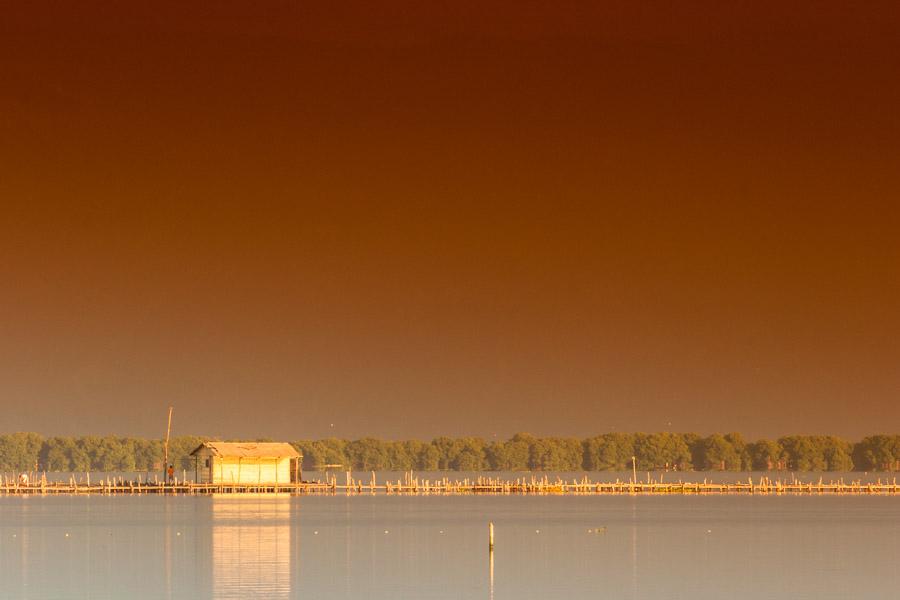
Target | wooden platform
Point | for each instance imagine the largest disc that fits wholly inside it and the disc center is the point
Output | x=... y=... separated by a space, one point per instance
x=412 y=485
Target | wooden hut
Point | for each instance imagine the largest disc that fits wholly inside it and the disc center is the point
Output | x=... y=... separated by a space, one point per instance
x=246 y=463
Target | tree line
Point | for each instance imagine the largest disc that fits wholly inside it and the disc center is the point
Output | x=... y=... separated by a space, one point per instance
x=609 y=452
x=522 y=452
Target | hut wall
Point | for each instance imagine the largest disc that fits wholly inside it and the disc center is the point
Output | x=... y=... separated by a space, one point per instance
x=204 y=469
x=203 y=463
x=251 y=470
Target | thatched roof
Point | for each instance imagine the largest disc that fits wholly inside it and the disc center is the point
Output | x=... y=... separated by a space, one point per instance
x=249 y=449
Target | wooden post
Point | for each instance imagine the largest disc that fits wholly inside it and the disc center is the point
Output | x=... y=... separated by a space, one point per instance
x=633 y=469
x=166 y=448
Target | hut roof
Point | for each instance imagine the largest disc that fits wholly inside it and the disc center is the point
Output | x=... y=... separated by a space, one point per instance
x=249 y=449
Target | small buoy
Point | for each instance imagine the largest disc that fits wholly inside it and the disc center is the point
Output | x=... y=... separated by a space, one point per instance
x=537 y=530
x=178 y=533
x=709 y=531
x=385 y=530
x=67 y=535
x=315 y=533
x=441 y=531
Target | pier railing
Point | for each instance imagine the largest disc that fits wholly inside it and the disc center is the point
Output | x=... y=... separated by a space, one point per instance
x=413 y=485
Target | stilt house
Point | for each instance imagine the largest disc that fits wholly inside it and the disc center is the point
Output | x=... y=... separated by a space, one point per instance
x=246 y=463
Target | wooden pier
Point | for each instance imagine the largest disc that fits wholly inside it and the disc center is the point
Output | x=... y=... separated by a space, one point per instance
x=412 y=485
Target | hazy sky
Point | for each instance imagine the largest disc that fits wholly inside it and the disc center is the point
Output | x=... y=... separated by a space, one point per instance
x=409 y=219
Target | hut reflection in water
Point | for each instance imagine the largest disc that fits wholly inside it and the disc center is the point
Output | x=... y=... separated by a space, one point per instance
x=252 y=546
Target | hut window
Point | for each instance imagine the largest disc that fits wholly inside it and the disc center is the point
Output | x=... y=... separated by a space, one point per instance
x=207 y=463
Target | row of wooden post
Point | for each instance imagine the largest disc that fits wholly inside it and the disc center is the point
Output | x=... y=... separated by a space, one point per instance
x=410 y=484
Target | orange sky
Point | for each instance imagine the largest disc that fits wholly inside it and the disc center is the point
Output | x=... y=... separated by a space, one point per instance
x=406 y=219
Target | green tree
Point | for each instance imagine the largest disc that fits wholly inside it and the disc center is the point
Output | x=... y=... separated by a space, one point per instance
x=741 y=448
x=837 y=453
x=556 y=454
x=661 y=450
x=318 y=453
x=20 y=451
x=334 y=452
x=414 y=450
x=368 y=454
x=445 y=449
x=495 y=456
x=399 y=458
x=55 y=454
x=696 y=447
x=803 y=453
x=877 y=453
x=719 y=454
x=79 y=457
x=148 y=455
x=429 y=458
x=609 y=452
x=111 y=453
x=468 y=454
x=518 y=452
x=765 y=455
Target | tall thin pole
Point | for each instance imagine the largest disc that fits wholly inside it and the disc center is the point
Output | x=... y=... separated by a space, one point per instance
x=491 y=557
x=633 y=469
x=166 y=449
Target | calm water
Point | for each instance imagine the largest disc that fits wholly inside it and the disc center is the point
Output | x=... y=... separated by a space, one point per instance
x=388 y=547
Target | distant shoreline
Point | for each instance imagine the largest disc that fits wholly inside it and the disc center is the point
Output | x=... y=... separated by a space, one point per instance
x=666 y=451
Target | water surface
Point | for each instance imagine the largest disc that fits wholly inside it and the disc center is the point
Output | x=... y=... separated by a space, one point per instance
x=383 y=547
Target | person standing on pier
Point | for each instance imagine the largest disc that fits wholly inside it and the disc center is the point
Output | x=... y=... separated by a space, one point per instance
x=170 y=474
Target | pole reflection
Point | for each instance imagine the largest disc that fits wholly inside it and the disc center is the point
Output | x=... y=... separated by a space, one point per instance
x=634 y=551
x=491 y=568
x=251 y=546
